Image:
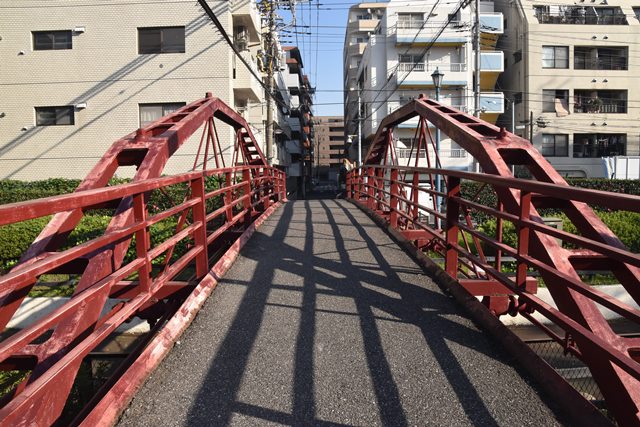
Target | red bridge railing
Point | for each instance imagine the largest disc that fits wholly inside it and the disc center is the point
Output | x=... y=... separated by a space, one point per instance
x=447 y=231
x=218 y=206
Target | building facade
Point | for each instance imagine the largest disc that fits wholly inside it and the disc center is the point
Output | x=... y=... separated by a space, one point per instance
x=69 y=88
x=407 y=46
x=572 y=75
x=362 y=21
x=330 y=146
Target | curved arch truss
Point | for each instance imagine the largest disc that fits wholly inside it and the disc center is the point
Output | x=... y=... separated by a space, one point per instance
x=446 y=226
x=167 y=242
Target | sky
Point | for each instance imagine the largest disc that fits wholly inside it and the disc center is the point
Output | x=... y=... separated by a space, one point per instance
x=322 y=49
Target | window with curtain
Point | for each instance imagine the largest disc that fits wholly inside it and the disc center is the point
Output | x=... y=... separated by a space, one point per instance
x=555 y=145
x=161 y=40
x=149 y=113
x=555 y=57
x=52 y=40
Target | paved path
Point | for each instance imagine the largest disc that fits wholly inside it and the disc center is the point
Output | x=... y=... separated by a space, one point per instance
x=324 y=320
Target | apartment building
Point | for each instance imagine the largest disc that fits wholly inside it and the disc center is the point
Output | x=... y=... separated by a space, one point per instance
x=572 y=73
x=76 y=76
x=362 y=21
x=299 y=91
x=408 y=45
x=330 y=146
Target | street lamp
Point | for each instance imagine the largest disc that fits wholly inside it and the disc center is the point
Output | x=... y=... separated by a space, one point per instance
x=437 y=77
x=359 y=127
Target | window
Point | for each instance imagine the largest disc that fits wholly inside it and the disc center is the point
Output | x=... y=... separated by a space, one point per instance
x=549 y=97
x=599 y=145
x=161 y=40
x=555 y=57
x=600 y=58
x=555 y=145
x=54 y=116
x=636 y=10
x=149 y=113
x=517 y=97
x=410 y=20
x=51 y=40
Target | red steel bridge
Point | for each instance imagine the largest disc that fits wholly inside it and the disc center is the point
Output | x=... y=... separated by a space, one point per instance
x=124 y=272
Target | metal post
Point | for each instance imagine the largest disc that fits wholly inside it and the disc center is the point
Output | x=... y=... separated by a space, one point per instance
x=438 y=162
x=513 y=115
x=359 y=129
x=476 y=47
x=270 y=60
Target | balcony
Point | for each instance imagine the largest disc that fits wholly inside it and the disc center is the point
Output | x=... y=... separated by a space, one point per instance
x=363 y=25
x=600 y=101
x=294 y=147
x=492 y=102
x=413 y=32
x=600 y=58
x=580 y=15
x=492 y=62
x=418 y=75
x=491 y=23
x=246 y=14
x=245 y=85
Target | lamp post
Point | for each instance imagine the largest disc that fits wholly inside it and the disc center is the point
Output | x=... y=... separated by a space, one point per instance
x=437 y=77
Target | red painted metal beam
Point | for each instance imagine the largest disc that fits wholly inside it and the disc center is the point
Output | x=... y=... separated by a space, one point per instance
x=496 y=150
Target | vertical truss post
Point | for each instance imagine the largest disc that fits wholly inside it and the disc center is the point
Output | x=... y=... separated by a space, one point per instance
x=142 y=242
x=228 y=196
x=370 y=188
x=451 y=226
x=380 y=186
x=200 y=216
x=499 y=225
x=393 y=202
x=415 y=194
x=523 y=238
x=358 y=189
x=246 y=187
x=264 y=184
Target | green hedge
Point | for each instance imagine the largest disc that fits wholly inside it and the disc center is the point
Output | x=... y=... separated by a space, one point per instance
x=488 y=197
x=15 y=239
x=625 y=225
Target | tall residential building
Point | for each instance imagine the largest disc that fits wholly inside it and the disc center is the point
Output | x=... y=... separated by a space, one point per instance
x=76 y=76
x=571 y=67
x=300 y=145
x=408 y=45
x=362 y=21
x=330 y=146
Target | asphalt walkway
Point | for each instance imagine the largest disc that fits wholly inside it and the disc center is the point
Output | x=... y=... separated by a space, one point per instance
x=324 y=320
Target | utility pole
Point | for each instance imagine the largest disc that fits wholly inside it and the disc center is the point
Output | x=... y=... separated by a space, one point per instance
x=270 y=54
x=476 y=47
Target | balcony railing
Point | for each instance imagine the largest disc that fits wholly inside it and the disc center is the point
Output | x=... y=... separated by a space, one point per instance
x=582 y=63
x=613 y=107
x=416 y=25
x=407 y=153
x=407 y=66
x=573 y=18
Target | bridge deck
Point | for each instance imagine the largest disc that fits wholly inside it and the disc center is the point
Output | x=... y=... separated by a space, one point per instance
x=324 y=320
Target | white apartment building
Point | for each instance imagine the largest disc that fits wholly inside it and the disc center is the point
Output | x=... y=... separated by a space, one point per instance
x=573 y=67
x=76 y=76
x=362 y=21
x=403 y=52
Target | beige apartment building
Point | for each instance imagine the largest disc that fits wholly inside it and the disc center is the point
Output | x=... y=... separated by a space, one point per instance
x=76 y=75
x=330 y=145
x=574 y=68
